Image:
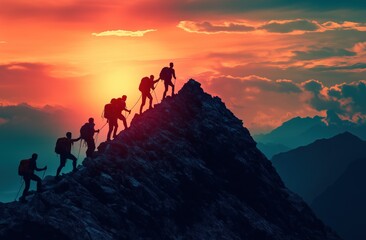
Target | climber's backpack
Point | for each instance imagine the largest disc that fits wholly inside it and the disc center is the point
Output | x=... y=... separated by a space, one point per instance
x=108 y=111
x=61 y=145
x=24 y=167
x=86 y=132
x=165 y=73
x=144 y=84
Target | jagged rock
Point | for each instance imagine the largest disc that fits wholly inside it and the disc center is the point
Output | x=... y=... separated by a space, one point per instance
x=186 y=169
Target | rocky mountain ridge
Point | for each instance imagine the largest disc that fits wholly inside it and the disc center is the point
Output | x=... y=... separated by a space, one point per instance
x=186 y=169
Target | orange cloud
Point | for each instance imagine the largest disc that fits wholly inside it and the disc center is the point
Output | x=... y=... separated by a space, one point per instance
x=360 y=47
x=123 y=33
x=210 y=28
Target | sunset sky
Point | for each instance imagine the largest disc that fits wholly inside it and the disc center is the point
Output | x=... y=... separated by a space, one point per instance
x=269 y=61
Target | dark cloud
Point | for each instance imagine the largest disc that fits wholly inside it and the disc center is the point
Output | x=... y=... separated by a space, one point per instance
x=313 y=86
x=290 y=26
x=322 y=103
x=324 y=52
x=356 y=66
x=346 y=100
x=287 y=86
x=356 y=93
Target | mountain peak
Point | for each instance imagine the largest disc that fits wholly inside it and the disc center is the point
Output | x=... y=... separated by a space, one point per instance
x=186 y=169
x=347 y=135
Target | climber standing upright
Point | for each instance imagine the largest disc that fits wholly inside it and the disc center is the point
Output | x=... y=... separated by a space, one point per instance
x=121 y=106
x=26 y=170
x=87 y=134
x=63 y=147
x=166 y=75
x=111 y=114
x=146 y=84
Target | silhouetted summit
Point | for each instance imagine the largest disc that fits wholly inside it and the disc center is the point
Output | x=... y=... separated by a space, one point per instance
x=186 y=169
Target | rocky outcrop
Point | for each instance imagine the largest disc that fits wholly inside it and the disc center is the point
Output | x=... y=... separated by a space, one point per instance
x=186 y=169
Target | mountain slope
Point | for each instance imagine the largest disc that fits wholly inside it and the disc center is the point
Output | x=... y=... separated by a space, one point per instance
x=342 y=205
x=309 y=170
x=186 y=169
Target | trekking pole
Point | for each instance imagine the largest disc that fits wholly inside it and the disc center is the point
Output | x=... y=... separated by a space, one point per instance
x=44 y=173
x=103 y=126
x=155 y=92
x=19 y=190
x=136 y=102
x=156 y=96
x=102 y=116
x=134 y=106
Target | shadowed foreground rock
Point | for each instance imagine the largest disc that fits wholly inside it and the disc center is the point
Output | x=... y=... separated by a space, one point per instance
x=186 y=169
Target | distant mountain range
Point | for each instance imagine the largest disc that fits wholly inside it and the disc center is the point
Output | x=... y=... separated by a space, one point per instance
x=342 y=205
x=302 y=131
x=271 y=149
x=309 y=170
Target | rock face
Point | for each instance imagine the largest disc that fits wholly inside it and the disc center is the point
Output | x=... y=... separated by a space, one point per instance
x=186 y=169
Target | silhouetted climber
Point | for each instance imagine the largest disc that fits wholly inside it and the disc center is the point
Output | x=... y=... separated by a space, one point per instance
x=111 y=114
x=87 y=134
x=145 y=85
x=121 y=106
x=63 y=147
x=166 y=74
x=26 y=170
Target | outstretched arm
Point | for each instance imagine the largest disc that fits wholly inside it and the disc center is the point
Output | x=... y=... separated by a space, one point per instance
x=76 y=139
x=40 y=169
x=129 y=111
x=174 y=74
